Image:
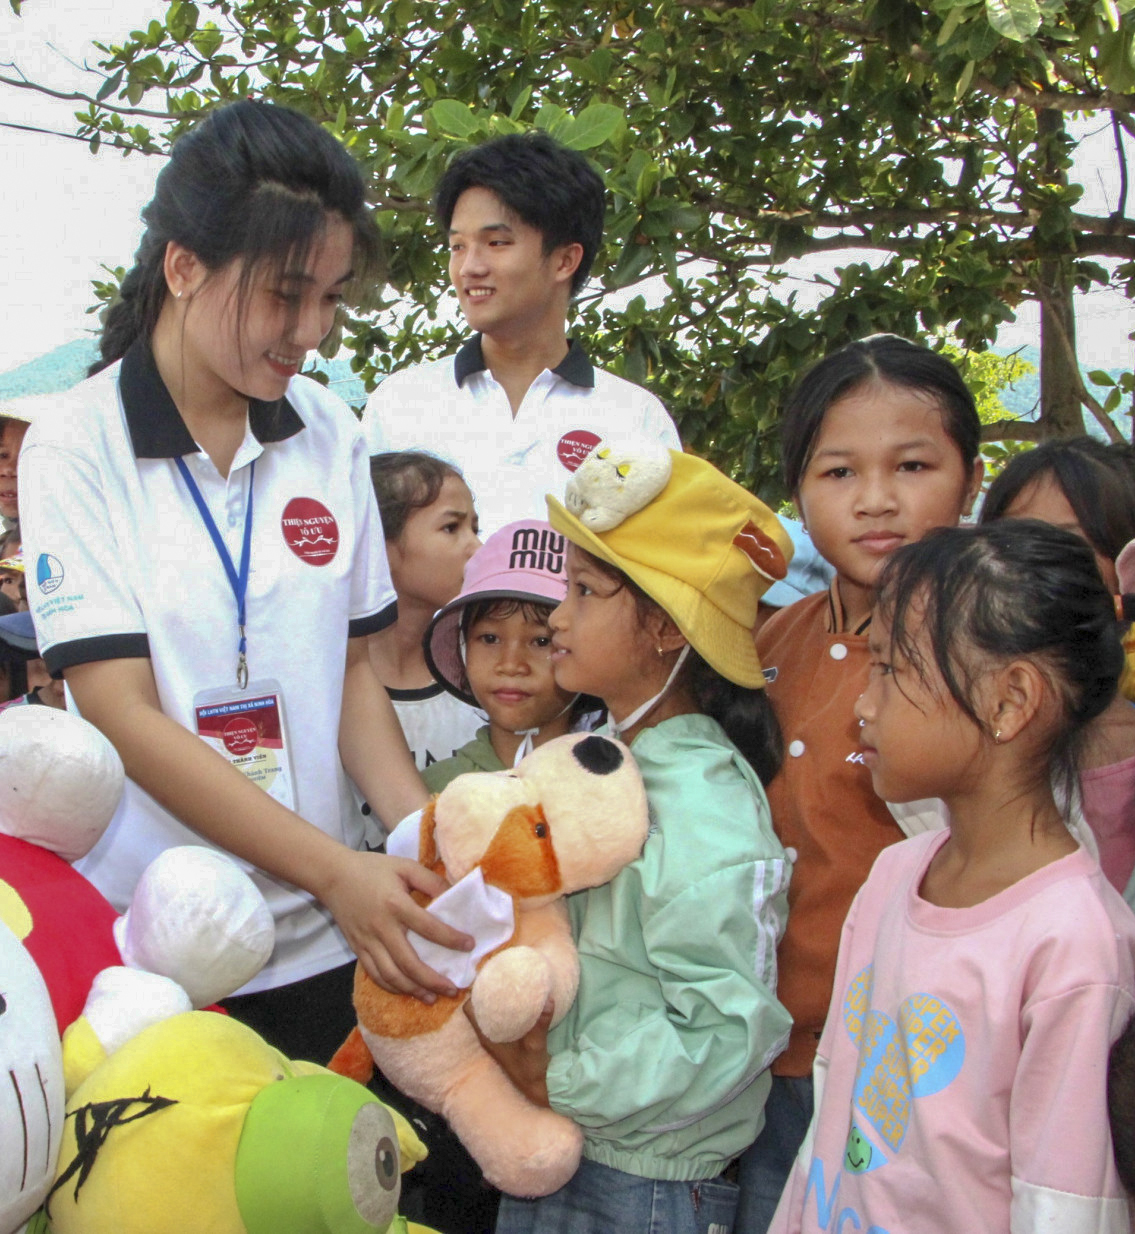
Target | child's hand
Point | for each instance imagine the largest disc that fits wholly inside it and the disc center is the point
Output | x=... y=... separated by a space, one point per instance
x=369 y=897
x=525 y=1062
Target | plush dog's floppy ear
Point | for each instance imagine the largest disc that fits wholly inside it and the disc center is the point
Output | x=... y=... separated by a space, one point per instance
x=427 y=838
x=521 y=857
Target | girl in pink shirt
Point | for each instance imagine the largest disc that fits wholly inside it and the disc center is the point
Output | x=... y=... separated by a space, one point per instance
x=985 y=970
x=1088 y=488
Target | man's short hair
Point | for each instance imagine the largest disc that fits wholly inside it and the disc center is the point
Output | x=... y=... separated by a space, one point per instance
x=543 y=183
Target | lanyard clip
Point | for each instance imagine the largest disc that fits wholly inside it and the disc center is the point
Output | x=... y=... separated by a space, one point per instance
x=242 y=662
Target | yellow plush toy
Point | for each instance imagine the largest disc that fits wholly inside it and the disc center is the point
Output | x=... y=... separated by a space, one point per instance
x=196 y=1124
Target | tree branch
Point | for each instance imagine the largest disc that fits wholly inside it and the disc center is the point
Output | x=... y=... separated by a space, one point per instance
x=1012 y=430
x=1082 y=392
x=1084 y=99
x=1058 y=100
x=1121 y=158
x=902 y=216
x=21 y=83
x=29 y=128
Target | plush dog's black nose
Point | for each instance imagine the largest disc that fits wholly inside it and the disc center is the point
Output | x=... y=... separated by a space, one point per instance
x=598 y=755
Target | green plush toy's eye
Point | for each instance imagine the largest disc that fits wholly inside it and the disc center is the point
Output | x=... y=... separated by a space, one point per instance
x=373 y=1173
x=386 y=1163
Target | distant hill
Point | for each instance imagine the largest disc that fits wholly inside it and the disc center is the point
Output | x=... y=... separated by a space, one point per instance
x=62 y=367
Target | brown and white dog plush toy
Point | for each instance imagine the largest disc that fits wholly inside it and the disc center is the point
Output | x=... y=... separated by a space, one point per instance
x=568 y=816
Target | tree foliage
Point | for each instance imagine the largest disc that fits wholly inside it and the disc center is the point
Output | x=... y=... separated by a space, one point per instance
x=923 y=145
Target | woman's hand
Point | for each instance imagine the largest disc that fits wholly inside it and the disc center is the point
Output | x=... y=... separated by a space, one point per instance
x=369 y=896
x=525 y=1062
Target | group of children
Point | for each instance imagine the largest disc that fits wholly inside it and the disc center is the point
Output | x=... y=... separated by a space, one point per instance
x=786 y=1018
x=886 y=1036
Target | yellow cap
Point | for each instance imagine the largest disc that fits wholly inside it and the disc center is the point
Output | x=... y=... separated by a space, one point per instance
x=705 y=550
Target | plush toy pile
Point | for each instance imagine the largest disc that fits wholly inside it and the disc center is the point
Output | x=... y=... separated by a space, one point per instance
x=569 y=816
x=149 y=1117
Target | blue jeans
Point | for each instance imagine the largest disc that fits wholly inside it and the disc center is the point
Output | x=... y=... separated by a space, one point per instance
x=767 y=1163
x=600 y=1200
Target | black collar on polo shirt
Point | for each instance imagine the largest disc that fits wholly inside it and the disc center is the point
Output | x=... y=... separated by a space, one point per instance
x=574 y=367
x=156 y=427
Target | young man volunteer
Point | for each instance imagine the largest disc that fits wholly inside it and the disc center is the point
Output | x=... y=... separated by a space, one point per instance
x=519 y=405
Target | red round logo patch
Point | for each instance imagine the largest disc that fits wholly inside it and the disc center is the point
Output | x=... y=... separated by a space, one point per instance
x=240 y=735
x=572 y=448
x=310 y=530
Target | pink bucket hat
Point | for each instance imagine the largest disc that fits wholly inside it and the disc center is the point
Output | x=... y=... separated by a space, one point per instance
x=523 y=561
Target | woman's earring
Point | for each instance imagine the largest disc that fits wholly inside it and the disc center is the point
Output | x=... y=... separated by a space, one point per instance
x=660 y=651
x=997 y=737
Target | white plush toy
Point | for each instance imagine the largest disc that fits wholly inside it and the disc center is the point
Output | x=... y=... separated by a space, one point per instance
x=196 y=919
x=31 y=1098
x=60 y=780
x=616 y=479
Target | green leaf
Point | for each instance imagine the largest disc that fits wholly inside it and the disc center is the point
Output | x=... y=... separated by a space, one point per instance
x=454 y=118
x=1015 y=19
x=552 y=119
x=1100 y=377
x=1110 y=13
x=964 y=80
x=207 y=40
x=520 y=103
x=593 y=126
x=633 y=260
x=109 y=86
x=952 y=22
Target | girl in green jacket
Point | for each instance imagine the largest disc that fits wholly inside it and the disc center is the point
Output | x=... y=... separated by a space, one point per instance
x=662 y=1059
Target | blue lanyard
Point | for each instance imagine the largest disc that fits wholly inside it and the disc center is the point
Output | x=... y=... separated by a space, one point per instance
x=238 y=582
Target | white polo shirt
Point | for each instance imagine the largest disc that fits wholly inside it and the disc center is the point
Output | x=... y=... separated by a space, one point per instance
x=120 y=564
x=456 y=409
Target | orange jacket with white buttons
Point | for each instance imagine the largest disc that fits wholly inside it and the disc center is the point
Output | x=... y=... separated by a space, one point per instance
x=822 y=802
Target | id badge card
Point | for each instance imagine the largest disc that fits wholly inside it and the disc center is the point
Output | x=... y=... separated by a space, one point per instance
x=247 y=728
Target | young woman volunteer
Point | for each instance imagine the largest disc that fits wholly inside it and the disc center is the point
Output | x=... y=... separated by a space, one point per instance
x=205 y=563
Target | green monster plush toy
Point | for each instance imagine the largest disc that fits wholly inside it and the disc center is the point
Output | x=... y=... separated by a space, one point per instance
x=196 y=1124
